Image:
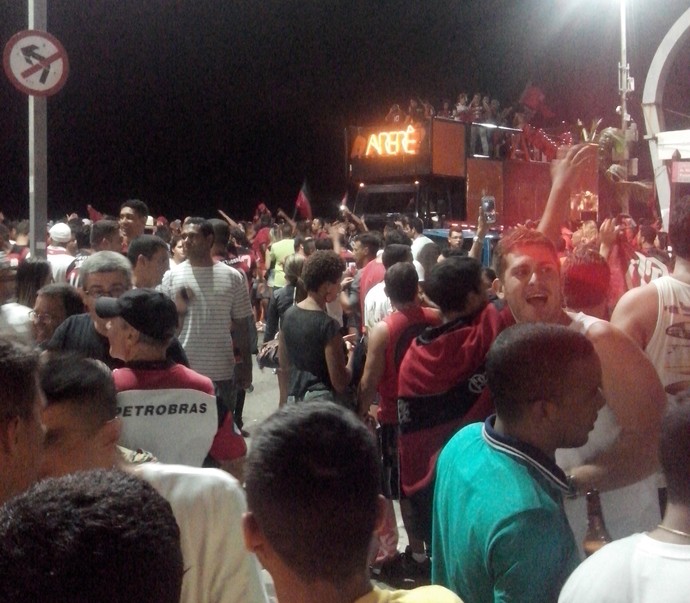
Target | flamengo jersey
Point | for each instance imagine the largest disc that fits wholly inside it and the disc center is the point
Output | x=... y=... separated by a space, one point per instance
x=168 y=410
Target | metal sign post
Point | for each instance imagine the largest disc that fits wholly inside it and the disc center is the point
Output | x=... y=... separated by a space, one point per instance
x=38 y=149
x=37 y=65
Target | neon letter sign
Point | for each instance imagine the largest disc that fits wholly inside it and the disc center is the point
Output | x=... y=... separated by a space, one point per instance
x=401 y=142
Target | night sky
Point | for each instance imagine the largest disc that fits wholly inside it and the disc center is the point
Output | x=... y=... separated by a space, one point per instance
x=192 y=105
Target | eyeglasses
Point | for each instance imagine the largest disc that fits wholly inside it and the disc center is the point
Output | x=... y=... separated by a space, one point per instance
x=97 y=292
x=41 y=317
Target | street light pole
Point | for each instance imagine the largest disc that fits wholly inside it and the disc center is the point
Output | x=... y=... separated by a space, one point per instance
x=623 y=70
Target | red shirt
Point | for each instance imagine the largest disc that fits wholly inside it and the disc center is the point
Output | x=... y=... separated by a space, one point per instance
x=397 y=323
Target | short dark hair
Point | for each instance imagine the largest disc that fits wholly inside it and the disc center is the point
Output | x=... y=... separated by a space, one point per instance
x=71 y=300
x=322 y=267
x=138 y=206
x=307 y=243
x=31 y=276
x=90 y=536
x=517 y=238
x=205 y=226
x=674 y=450
x=323 y=244
x=102 y=229
x=528 y=361
x=679 y=227
x=402 y=283
x=450 y=282
x=450 y=252
x=371 y=240
x=145 y=245
x=647 y=233
x=313 y=477
x=414 y=223
x=394 y=253
x=240 y=236
x=585 y=277
x=221 y=231
x=67 y=378
x=18 y=370
x=395 y=236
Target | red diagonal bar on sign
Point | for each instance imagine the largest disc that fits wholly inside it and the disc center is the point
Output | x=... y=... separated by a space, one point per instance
x=44 y=64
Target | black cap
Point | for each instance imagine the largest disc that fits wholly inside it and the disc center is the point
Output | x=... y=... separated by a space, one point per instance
x=148 y=311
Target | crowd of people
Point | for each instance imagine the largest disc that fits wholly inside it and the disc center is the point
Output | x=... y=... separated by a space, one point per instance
x=486 y=402
x=478 y=109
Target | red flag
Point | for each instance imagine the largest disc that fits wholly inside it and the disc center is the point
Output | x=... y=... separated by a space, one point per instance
x=302 y=204
x=94 y=214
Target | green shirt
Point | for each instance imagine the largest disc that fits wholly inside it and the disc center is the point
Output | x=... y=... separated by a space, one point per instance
x=499 y=530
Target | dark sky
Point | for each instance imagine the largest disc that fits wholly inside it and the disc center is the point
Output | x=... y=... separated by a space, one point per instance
x=197 y=104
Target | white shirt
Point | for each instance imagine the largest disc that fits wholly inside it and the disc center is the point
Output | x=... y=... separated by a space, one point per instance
x=208 y=505
x=218 y=295
x=636 y=569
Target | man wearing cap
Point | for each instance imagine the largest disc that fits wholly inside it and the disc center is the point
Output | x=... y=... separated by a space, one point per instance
x=59 y=236
x=165 y=408
x=103 y=274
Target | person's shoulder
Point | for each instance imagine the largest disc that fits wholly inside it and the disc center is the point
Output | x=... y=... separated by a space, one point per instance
x=196 y=483
x=193 y=379
x=423 y=594
x=604 y=573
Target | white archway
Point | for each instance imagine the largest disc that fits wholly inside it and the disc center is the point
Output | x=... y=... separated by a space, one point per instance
x=652 y=100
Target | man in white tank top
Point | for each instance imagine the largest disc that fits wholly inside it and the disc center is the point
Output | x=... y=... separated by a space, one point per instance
x=657 y=316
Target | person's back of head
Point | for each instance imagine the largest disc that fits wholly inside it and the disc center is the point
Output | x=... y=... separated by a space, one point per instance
x=101 y=536
x=529 y=362
x=31 y=276
x=285 y=230
x=394 y=236
x=679 y=227
x=313 y=478
x=18 y=366
x=103 y=229
x=293 y=274
x=402 y=283
x=451 y=281
x=394 y=253
x=585 y=277
x=145 y=245
x=674 y=451
x=81 y=403
x=21 y=434
x=221 y=232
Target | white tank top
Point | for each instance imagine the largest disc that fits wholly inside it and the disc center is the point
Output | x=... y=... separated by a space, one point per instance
x=669 y=345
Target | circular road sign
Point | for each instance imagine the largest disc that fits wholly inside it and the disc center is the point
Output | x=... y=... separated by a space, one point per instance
x=36 y=63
